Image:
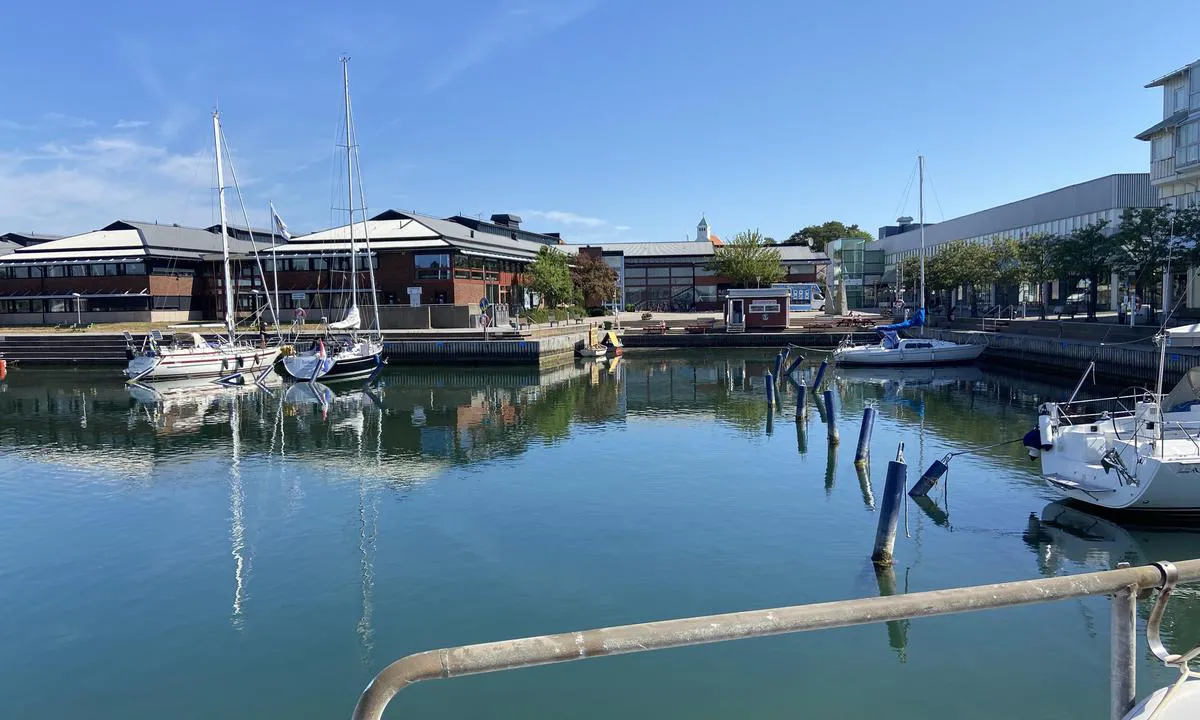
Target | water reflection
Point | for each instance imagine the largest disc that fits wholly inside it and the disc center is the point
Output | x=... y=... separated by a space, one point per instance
x=1067 y=539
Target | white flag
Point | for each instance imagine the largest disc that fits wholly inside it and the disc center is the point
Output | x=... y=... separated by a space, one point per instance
x=280 y=225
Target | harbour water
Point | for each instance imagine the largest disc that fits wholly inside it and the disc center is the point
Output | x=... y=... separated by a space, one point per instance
x=251 y=553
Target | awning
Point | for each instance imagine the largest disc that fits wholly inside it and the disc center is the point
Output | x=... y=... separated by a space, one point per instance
x=1171 y=122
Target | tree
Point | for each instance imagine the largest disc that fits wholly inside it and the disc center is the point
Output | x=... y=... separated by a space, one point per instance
x=1087 y=253
x=549 y=275
x=769 y=241
x=1037 y=257
x=747 y=259
x=594 y=279
x=1142 y=244
x=822 y=235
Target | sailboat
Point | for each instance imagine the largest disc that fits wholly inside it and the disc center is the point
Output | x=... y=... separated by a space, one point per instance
x=894 y=350
x=195 y=357
x=350 y=356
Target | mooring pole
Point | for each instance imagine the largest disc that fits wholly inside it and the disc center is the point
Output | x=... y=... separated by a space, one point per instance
x=922 y=487
x=801 y=402
x=795 y=364
x=862 y=455
x=889 y=515
x=778 y=365
x=770 y=379
x=820 y=375
x=1123 y=663
x=831 y=418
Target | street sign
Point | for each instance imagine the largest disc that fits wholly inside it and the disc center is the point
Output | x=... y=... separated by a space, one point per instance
x=485 y=320
x=483 y=303
x=297 y=296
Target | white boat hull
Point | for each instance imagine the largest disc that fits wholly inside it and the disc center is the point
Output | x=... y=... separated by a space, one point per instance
x=182 y=363
x=926 y=352
x=355 y=363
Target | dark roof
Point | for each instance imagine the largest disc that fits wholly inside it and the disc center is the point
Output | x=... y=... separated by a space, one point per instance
x=178 y=237
x=508 y=231
x=25 y=239
x=1167 y=123
x=1174 y=73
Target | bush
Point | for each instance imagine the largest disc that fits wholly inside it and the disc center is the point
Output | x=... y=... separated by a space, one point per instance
x=597 y=312
x=646 y=316
x=538 y=316
x=630 y=308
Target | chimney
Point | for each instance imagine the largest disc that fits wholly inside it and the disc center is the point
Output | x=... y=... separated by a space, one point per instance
x=507 y=220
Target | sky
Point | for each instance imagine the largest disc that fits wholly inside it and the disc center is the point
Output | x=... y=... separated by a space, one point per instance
x=605 y=120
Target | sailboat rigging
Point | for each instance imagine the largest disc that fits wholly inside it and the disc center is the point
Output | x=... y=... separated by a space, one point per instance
x=894 y=350
x=226 y=357
x=352 y=356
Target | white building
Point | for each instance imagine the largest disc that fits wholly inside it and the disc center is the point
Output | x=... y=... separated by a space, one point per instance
x=1175 y=141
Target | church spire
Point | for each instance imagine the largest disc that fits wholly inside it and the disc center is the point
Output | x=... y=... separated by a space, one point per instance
x=702 y=230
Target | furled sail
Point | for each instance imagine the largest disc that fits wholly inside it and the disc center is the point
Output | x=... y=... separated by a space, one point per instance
x=917 y=320
x=351 y=321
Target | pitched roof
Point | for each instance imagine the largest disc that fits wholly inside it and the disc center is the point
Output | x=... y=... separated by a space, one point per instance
x=800 y=253
x=660 y=249
x=130 y=239
x=6 y=247
x=1174 y=73
x=1166 y=123
x=30 y=238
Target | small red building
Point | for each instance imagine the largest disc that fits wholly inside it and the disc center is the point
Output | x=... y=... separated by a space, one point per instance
x=757 y=309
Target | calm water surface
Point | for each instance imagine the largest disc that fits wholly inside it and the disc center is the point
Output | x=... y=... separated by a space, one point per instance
x=262 y=554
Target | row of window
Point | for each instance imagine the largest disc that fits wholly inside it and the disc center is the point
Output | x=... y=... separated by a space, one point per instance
x=685 y=271
x=102 y=304
x=313 y=264
x=1056 y=227
x=25 y=272
x=1187 y=144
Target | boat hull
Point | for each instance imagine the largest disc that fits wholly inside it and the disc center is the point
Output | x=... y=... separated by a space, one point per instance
x=310 y=366
x=876 y=355
x=200 y=363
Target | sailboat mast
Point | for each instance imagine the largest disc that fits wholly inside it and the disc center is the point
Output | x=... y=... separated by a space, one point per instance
x=229 y=294
x=921 y=220
x=350 y=184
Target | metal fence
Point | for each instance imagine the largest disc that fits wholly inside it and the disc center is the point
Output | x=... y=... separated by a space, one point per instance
x=1123 y=584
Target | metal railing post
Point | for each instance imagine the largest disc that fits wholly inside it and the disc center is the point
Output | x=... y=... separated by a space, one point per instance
x=1123 y=661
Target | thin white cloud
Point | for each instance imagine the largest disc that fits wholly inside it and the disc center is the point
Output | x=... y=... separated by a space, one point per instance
x=513 y=21
x=130 y=124
x=68 y=121
x=14 y=125
x=76 y=187
x=622 y=228
x=562 y=217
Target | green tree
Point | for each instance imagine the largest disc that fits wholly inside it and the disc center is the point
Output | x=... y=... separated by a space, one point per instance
x=1186 y=231
x=594 y=280
x=1142 y=244
x=549 y=275
x=822 y=235
x=747 y=260
x=1037 y=256
x=1087 y=253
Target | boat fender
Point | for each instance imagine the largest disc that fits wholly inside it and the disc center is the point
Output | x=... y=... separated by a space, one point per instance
x=1033 y=442
x=1045 y=432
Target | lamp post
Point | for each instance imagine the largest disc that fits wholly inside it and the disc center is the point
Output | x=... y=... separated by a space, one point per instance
x=78 y=311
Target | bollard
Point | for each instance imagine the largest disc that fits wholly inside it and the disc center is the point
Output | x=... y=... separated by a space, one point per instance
x=889 y=515
x=862 y=455
x=820 y=375
x=795 y=364
x=778 y=365
x=930 y=478
x=831 y=418
x=801 y=402
x=770 y=379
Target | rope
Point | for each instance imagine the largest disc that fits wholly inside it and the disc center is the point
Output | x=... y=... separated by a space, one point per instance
x=982 y=447
x=1185 y=674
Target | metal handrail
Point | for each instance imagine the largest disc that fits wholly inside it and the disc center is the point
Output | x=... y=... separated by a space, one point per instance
x=1010 y=309
x=1123 y=584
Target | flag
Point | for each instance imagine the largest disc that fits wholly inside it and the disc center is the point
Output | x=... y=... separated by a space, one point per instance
x=280 y=225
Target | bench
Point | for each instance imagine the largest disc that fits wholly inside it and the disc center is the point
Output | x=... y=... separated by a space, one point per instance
x=659 y=329
x=700 y=328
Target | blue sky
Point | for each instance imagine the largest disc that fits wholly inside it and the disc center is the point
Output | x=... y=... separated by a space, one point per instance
x=607 y=120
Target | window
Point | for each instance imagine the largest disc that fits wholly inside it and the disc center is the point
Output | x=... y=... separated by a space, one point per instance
x=36 y=271
x=1160 y=147
x=56 y=271
x=57 y=305
x=78 y=270
x=434 y=267
x=658 y=272
x=706 y=293
x=681 y=272
x=20 y=272
x=135 y=268
x=635 y=272
x=318 y=264
x=1187 y=143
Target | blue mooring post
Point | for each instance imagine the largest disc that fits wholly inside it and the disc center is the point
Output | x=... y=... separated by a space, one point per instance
x=778 y=365
x=770 y=390
x=820 y=375
x=863 y=454
x=889 y=510
x=801 y=401
x=922 y=487
x=795 y=364
x=831 y=418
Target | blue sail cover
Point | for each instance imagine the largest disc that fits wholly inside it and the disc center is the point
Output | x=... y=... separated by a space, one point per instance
x=917 y=320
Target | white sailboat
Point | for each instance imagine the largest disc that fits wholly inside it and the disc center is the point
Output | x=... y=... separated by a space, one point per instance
x=195 y=357
x=350 y=356
x=1144 y=456
x=894 y=350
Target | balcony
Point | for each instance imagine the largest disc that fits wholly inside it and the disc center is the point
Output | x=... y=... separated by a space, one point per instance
x=1162 y=170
